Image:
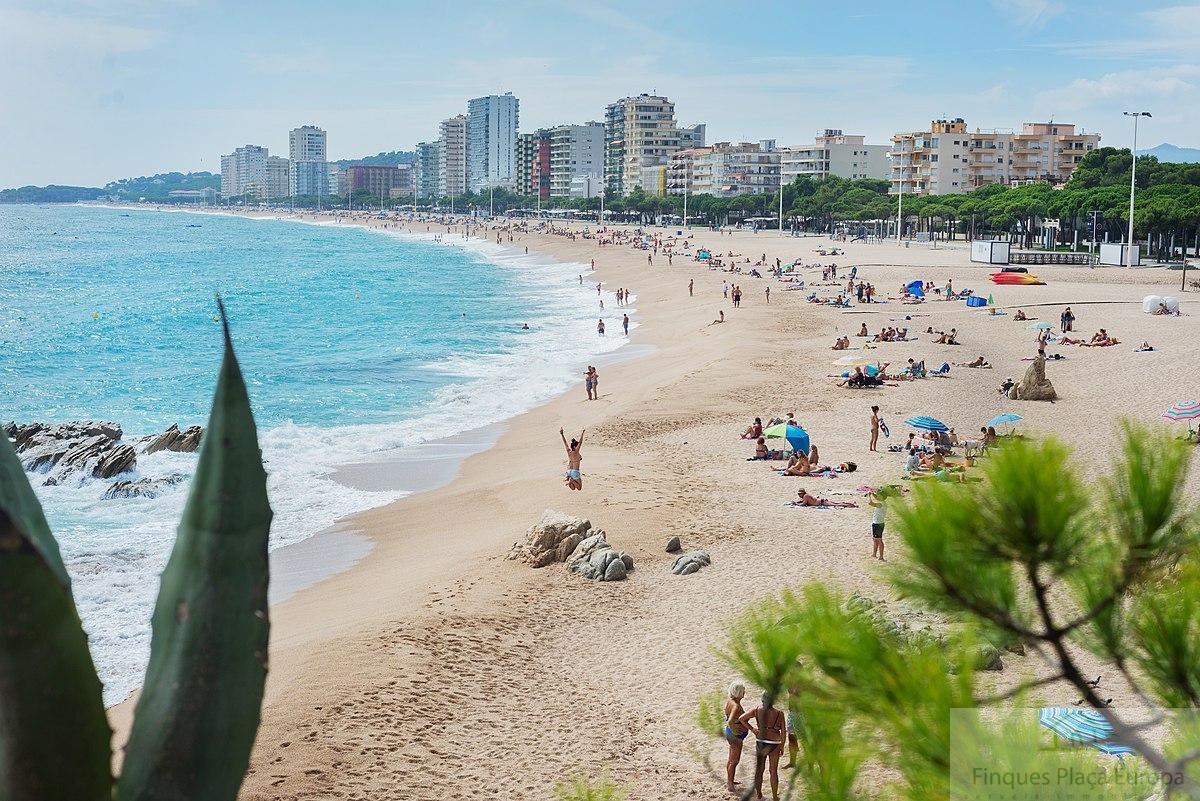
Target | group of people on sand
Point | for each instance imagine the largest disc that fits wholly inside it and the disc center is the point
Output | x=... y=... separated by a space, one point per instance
x=772 y=729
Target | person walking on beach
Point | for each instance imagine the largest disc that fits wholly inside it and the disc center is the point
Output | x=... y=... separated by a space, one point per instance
x=691 y=288
x=877 y=501
x=600 y=327
x=725 y=289
x=874 y=428
x=768 y=296
x=767 y=724
x=625 y=324
x=574 y=478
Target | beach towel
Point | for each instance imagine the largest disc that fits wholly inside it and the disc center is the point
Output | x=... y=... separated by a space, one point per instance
x=798 y=505
x=887 y=434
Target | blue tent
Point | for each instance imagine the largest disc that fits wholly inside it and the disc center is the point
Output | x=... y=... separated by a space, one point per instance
x=916 y=288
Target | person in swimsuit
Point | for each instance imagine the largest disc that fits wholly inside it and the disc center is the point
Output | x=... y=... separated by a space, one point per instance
x=589 y=382
x=805 y=499
x=874 y=428
x=768 y=726
x=735 y=731
x=574 y=478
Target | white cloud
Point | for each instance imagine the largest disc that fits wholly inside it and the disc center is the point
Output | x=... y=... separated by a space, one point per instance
x=1031 y=14
x=39 y=35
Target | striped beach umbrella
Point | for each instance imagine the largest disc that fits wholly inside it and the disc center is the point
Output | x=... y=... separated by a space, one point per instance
x=1183 y=410
x=927 y=423
x=1039 y=326
x=1084 y=726
x=854 y=361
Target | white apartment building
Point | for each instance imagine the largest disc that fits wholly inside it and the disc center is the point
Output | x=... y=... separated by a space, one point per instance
x=725 y=169
x=586 y=186
x=244 y=171
x=575 y=151
x=452 y=167
x=949 y=159
x=308 y=174
x=278 y=180
x=491 y=140
x=639 y=132
x=429 y=157
x=836 y=153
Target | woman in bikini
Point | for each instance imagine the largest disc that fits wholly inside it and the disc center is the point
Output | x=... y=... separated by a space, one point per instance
x=735 y=731
x=574 y=478
x=804 y=499
x=768 y=726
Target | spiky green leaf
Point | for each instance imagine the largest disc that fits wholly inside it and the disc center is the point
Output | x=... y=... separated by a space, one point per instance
x=198 y=714
x=54 y=736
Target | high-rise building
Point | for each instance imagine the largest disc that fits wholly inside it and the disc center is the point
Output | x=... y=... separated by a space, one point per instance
x=452 y=169
x=575 y=151
x=244 y=171
x=531 y=164
x=380 y=181
x=641 y=132
x=693 y=135
x=491 y=141
x=429 y=158
x=948 y=159
x=278 y=171
x=836 y=153
x=726 y=169
x=309 y=172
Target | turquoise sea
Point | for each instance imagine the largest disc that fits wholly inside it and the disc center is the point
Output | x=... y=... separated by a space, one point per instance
x=355 y=344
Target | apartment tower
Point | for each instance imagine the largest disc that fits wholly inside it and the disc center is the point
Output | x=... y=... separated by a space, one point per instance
x=491 y=141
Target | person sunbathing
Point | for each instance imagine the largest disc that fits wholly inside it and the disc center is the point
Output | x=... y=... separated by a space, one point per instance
x=842 y=343
x=978 y=362
x=755 y=430
x=862 y=332
x=1162 y=309
x=1146 y=347
x=805 y=499
x=856 y=379
x=1020 y=315
x=798 y=465
x=814 y=460
x=1066 y=340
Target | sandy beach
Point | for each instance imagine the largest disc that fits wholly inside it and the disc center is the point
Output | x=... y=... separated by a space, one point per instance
x=434 y=668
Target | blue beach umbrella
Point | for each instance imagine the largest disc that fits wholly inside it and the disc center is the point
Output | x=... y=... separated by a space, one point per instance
x=1084 y=726
x=1004 y=419
x=797 y=437
x=916 y=288
x=927 y=423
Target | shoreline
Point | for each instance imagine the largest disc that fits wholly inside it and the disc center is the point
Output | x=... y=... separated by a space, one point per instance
x=436 y=620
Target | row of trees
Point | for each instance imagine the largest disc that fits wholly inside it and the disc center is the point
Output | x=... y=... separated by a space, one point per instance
x=1168 y=205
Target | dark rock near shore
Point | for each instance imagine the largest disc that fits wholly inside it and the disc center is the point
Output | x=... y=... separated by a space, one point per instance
x=143 y=487
x=175 y=440
x=65 y=448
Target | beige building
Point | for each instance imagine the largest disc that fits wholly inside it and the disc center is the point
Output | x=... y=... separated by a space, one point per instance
x=725 y=169
x=576 y=151
x=949 y=159
x=836 y=153
x=641 y=132
x=452 y=168
x=277 y=174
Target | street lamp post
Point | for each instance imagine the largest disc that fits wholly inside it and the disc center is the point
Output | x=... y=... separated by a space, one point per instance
x=1133 y=176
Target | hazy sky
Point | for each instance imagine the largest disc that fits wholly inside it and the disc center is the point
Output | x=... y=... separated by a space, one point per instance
x=94 y=90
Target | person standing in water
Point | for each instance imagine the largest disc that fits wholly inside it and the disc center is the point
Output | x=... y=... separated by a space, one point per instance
x=574 y=478
x=625 y=324
x=600 y=327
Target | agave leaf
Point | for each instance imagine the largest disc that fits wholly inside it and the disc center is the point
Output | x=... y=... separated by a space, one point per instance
x=199 y=709
x=54 y=736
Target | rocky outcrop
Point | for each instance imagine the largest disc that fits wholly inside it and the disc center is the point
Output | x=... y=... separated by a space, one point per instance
x=1034 y=386
x=595 y=559
x=690 y=562
x=61 y=449
x=174 y=440
x=674 y=545
x=552 y=539
x=143 y=487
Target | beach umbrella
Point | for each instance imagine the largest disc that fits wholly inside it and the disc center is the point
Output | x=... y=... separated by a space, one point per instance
x=1004 y=419
x=854 y=361
x=796 y=436
x=927 y=423
x=1084 y=726
x=1183 y=410
x=1039 y=326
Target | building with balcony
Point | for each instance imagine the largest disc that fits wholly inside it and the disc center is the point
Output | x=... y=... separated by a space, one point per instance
x=575 y=151
x=640 y=132
x=244 y=172
x=308 y=172
x=428 y=166
x=452 y=168
x=491 y=141
x=532 y=164
x=725 y=169
x=380 y=181
x=838 y=154
x=949 y=159
x=278 y=177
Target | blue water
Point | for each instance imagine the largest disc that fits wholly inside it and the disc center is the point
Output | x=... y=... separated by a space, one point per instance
x=354 y=344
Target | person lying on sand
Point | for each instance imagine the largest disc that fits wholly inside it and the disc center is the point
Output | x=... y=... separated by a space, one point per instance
x=574 y=478
x=1101 y=339
x=1146 y=347
x=803 y=498
x=977 y=362
x=1020 y=315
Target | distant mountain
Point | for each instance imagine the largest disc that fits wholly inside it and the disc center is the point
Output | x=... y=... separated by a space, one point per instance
x=51 y=194
x=1171 y=154
x=389 y=159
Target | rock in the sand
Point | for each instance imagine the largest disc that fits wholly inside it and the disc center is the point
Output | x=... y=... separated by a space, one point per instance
x=175 y=440
x=552 y=539
x=595 y=559
x=674 y=545
x=143 y=487
x=1034 y=386
x=690 y=562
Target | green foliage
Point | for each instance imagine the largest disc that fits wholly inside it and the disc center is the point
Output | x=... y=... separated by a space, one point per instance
x=1031 y=555
x=54 y=736
x=198 y=713
x=51 y=194
x=582 y=788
